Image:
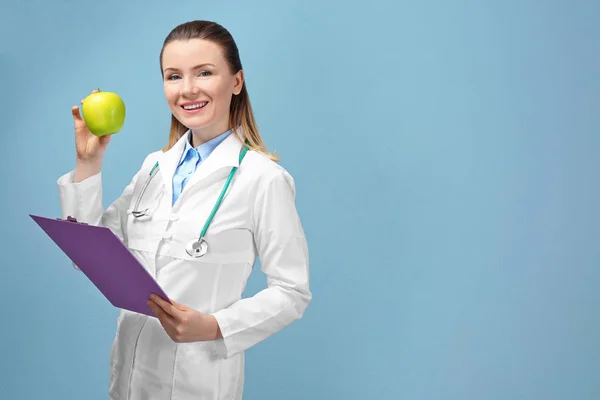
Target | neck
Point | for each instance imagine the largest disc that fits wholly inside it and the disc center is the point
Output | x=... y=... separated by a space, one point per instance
x=199 y=137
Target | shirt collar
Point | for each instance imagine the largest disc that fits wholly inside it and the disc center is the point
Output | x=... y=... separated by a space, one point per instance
x=205 y=148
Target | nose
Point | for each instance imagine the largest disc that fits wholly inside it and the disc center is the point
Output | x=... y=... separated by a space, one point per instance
x=189 y=87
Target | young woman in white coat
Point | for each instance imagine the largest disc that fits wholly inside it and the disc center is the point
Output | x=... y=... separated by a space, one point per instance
x=194 y=348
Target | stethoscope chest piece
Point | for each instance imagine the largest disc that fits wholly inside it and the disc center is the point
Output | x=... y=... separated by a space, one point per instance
x=196 y=248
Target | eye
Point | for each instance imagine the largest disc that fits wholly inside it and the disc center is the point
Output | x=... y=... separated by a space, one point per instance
x=205 y=73
x=172 y=77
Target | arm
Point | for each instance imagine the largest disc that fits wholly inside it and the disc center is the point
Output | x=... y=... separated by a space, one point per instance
x=284 y=257
x=83 y=200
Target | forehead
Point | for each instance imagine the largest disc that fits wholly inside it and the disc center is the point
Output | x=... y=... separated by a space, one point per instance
x=188 y=53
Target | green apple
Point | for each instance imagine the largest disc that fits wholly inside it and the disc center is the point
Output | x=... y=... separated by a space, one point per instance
x=103 y=113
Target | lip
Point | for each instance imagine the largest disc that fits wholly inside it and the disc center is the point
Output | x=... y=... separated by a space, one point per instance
x=190 y=103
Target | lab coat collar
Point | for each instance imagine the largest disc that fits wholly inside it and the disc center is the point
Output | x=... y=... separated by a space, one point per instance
x=205 y=149
x=225 y=155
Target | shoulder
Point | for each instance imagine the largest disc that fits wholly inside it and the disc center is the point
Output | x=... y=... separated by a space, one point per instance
x=151 y=158
x=265 y=173
x=149 y=161
x=147 y=164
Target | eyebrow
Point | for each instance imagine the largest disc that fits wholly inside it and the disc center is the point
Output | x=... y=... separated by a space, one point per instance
x=195 y=67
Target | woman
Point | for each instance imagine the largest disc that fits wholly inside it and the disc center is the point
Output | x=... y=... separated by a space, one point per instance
x=194 y=348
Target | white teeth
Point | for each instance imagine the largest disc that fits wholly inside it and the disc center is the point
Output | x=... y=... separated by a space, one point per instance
x=194 y=106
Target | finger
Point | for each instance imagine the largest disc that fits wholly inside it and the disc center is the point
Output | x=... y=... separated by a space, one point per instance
x=180 y=306
x=105 y=139
x=75 y=112
x=164 y=318
x=166 y=306
x=96 y=90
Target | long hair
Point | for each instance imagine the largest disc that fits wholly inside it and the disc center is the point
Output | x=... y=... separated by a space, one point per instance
x=241 y=117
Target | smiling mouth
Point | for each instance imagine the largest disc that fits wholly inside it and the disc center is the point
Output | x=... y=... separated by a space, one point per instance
x=194 y=106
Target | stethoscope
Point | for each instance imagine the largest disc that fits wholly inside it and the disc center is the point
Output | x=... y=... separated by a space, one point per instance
x=195 y=247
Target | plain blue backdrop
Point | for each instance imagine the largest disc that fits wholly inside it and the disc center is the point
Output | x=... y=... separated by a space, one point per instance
x=446 y=156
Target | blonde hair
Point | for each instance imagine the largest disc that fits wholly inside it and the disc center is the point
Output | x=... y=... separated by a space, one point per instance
x=241 y=117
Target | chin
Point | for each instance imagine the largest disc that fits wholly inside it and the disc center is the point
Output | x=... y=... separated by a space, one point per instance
x=194 y=121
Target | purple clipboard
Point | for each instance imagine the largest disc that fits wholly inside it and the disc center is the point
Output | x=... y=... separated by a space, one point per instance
x=106 y=261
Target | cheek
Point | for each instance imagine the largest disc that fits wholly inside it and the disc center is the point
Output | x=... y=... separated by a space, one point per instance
x=218 y=90
x=171 y=93
x=221 y=96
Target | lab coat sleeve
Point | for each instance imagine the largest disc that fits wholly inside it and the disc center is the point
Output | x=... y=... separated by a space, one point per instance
x=83 y=201
x=283 y=253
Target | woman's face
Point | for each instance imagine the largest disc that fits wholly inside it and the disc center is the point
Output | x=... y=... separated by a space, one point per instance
x=198 y=86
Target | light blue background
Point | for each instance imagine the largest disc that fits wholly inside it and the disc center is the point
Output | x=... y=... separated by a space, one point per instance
x=446 y=159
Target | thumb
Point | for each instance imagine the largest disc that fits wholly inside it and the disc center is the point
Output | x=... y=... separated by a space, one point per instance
x=176 y=304
x=179 y=305
x=75 y=112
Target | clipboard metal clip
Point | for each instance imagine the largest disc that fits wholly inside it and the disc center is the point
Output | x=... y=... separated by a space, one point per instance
x=71 y=219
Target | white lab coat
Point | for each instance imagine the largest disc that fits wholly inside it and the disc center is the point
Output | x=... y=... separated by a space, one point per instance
x=257 y=217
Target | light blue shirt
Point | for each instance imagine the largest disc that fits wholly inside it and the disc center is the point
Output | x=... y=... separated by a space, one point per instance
x=191 y=158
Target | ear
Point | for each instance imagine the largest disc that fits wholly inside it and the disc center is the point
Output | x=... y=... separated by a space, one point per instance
x=239 y=82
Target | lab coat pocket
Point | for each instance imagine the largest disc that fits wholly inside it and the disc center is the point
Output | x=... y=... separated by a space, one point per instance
x=205 y=349
x=196 y=371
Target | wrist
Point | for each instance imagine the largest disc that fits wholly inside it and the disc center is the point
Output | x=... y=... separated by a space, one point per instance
x=215 y=329
x=86 y=169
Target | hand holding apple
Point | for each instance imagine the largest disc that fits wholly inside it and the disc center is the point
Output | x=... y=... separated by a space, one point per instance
x=90 y=148
x=103 y=115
